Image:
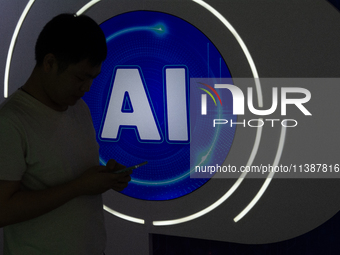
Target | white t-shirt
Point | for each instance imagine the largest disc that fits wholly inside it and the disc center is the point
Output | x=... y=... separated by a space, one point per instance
x=43 y=148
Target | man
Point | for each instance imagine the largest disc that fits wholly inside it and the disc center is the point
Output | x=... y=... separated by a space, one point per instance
x=50 y=178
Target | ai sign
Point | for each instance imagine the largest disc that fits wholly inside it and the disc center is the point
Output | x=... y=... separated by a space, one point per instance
x=143 y=107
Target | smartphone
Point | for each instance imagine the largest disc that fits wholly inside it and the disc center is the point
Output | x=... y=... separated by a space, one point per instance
x=131 y=167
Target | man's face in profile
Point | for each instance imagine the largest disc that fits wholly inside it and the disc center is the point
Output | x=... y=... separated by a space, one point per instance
x=68 y=86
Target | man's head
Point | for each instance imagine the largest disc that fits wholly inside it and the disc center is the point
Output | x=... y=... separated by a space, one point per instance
x=71 y=39
x=69 y=54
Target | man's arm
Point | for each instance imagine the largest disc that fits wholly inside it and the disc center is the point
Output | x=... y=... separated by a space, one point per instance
x=18 y=205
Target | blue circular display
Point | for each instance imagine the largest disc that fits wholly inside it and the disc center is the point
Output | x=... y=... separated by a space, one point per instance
x=141 y=104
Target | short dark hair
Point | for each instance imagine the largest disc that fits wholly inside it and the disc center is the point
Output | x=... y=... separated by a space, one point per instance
x=71 y=39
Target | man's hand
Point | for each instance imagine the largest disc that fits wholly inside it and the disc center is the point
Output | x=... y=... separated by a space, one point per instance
x=123 y=179
x=113 y=166
x=99 y=179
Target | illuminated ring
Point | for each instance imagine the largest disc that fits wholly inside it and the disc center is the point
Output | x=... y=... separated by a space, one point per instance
x=12 y=44
x=268 y=179
x=256 y=144
x=258 y=133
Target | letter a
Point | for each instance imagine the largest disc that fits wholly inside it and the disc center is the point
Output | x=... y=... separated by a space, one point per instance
x=129 y=80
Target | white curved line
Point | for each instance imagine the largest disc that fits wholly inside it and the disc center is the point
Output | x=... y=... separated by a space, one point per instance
x=202 y=212
x=12 y=44
x=123 y=216
x=260 y=102
x=86 y=6
x=224 y=197
x=258 y=133
x=268 y=179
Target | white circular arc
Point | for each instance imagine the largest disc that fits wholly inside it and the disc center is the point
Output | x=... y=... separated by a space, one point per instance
x=255 y=147
x=268 y=179
x=86 y=7
x=123 y=216
x=224 y=197
x=12 y=45
x=258 y=133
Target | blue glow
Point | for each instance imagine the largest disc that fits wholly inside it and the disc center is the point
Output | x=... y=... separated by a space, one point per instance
x=152 y=41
